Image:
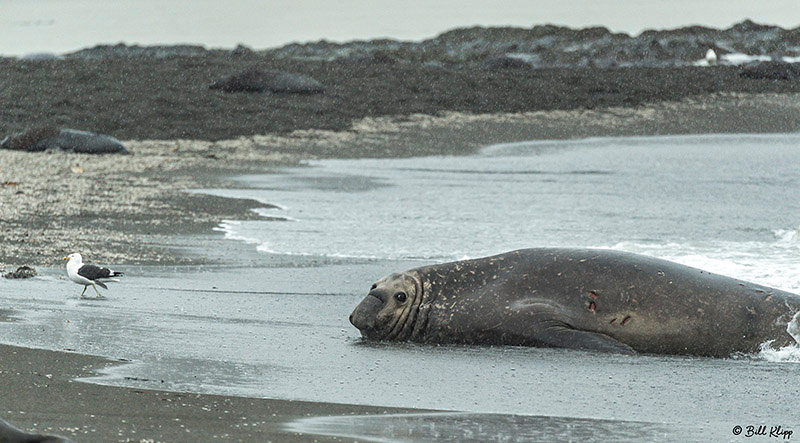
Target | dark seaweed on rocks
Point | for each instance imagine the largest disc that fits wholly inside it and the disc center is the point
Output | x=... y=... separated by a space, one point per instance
x=771 y=71
x=506 y=62
x=559 y=46
x=161 y=93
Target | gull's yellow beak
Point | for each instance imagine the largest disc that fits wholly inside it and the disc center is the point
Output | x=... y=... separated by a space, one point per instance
x=65 y=258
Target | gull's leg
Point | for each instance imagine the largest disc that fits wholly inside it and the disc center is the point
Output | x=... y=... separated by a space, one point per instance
x=84 y=290
x=98 y=292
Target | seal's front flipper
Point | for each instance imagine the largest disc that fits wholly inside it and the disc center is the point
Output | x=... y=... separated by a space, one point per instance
x=550 y=326
x=562 y=336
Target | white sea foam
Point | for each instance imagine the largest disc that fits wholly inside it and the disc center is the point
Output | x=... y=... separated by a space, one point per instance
x=793 y=328
x=772 y=263
x=788 y=237
x=789 y=353
x=228 y=228
x=736 y=58
x=232 y=231
x=265 y=248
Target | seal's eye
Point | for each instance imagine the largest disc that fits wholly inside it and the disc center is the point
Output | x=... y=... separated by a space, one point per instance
x=374 y=285
x=400 y=296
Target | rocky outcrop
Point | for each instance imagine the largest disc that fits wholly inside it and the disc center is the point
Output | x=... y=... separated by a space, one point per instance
x=122 y=50
x=21 y=272
x=542 y=46
x=771 y=71
x=550 y=46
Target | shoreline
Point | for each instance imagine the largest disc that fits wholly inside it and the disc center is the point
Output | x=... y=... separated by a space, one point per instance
x=128 y=209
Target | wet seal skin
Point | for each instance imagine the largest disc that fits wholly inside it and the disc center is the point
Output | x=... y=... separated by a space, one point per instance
x=10 y=434
x=599 y=300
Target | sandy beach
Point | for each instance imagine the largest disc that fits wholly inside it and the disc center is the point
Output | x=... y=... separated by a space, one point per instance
x=134 y=209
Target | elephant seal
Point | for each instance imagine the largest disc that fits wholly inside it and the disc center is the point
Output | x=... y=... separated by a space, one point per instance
x=10 y=434
x=599 y=300
x=256 y=80
x=71 y=140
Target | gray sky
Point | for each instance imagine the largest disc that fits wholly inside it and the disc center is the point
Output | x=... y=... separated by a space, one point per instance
x=63 y=25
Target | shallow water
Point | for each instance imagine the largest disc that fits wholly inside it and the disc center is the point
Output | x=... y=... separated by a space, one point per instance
x=277 y=327
x=725 y=203
x=241 y=331
x=459 y=427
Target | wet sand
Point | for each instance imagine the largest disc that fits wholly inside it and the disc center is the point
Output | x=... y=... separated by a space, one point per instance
x=38 y=394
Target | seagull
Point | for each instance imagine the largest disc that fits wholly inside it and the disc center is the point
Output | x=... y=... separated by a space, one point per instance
x=711 y=57
x=88 y=274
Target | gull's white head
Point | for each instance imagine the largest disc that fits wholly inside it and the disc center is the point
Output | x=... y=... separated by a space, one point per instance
x=74 y=257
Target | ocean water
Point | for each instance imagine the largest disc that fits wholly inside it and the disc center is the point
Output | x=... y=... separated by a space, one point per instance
x=273 y=324
x=725 y=203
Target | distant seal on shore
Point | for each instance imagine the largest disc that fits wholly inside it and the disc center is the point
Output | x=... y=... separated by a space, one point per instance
x=73 y=140
x=599 y=300
x=256 y=80
x=10 y=434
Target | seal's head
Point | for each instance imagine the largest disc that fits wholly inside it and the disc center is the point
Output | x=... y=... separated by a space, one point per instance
x=389 y=310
